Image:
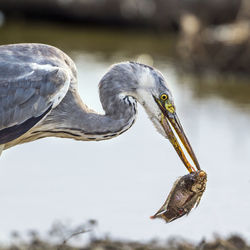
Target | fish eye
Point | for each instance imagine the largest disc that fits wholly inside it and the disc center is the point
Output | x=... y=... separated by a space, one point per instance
x=164 y=97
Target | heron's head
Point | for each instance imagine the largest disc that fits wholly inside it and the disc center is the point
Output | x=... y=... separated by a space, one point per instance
x=154 y=95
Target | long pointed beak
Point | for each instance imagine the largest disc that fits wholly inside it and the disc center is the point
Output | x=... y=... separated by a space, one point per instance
x=169 y=118
x=173 y=119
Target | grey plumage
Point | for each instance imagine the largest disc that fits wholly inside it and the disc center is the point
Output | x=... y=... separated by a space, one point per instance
x=32 y=80
x=28 y=82
x=39 y=98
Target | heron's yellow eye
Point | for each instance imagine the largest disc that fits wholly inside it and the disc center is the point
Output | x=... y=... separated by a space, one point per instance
x=164 y=97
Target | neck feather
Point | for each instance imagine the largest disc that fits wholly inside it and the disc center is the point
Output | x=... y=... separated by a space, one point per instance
x=73 y=119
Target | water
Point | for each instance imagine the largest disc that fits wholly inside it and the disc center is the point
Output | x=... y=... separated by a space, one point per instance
x=121 y=182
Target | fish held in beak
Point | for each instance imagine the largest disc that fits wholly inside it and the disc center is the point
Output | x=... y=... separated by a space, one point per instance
x=184 y=195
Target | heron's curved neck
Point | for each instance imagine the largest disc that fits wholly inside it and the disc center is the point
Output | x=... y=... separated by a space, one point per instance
x=72 y=118
x=89 y=125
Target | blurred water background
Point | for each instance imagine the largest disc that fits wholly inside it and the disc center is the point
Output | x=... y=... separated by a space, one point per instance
x=121 y=182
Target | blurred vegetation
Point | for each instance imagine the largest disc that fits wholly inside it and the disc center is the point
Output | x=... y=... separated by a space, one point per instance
x=212 y=34
x=156 y=14
x=64 y=237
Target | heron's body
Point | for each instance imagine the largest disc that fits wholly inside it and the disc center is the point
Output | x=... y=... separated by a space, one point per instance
x=34 y=79
x=39 y=98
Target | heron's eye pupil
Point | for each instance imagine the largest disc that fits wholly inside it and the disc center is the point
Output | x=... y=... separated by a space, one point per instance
x=164 y=97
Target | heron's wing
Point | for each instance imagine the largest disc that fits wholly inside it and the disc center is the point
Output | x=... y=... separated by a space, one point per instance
x=28 y=91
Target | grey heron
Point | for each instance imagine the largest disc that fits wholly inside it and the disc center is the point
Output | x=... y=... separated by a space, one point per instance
x=39 y=98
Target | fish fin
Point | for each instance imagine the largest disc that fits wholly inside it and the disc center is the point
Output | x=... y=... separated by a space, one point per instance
x=198 y=202
x=161 y=210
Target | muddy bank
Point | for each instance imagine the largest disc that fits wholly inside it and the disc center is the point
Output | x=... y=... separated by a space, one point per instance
x=63 y=236
x=231 y=243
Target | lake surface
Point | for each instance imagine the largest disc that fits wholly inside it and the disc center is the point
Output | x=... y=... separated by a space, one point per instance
x=121 y=182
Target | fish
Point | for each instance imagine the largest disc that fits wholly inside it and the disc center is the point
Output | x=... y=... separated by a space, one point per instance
x=184 y=195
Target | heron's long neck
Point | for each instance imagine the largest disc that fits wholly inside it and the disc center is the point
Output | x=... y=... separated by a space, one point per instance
x=87 y=124
x=72 y=118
